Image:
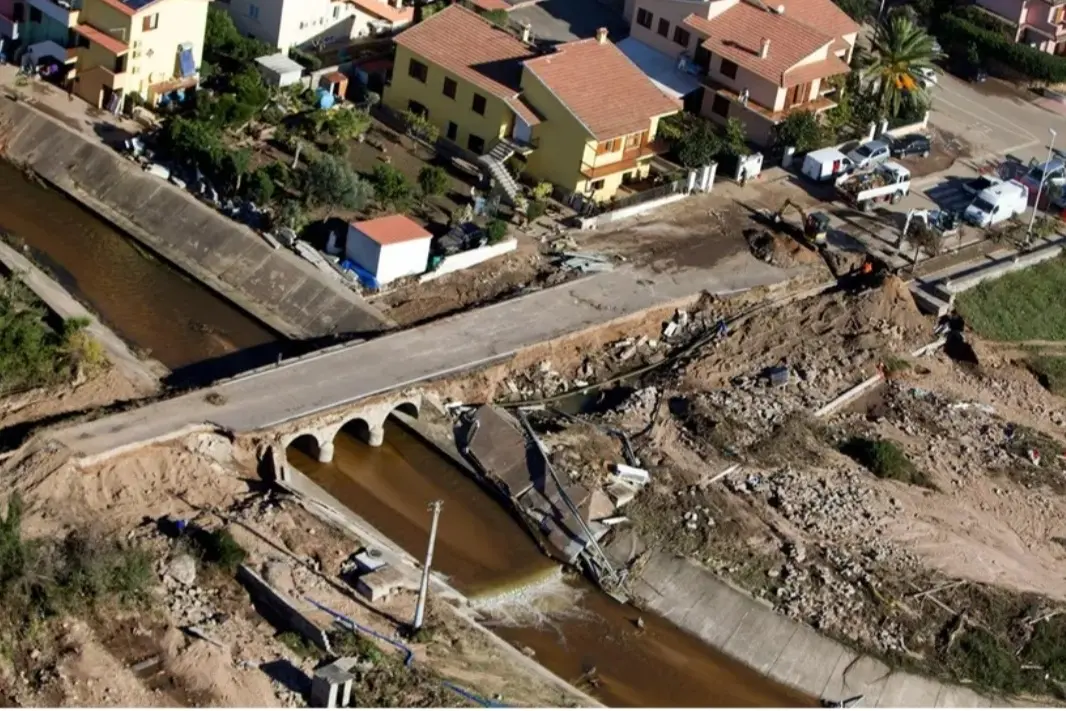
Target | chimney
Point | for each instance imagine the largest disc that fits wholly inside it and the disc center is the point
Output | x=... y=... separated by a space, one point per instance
x=764 y=48
x=527 y=30
x=601 y=35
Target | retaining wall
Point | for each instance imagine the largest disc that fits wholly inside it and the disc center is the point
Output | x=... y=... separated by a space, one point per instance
x=467 y=259
x=588 y=223
x=276 y=286
x=284 y=608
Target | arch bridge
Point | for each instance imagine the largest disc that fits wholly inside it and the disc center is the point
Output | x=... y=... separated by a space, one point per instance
x=366 y=420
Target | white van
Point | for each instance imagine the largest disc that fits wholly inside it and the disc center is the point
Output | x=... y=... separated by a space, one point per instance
x=997 y=203
x=826 y=164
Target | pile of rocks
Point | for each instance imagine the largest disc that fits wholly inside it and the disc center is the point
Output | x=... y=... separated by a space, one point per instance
x=190 y=604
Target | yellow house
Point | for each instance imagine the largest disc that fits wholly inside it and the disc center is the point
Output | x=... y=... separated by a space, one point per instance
x=148 y=47
x=582 y=116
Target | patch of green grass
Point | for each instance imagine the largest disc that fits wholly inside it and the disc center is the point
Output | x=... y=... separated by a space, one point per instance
x=985 y=660
x=346 y=643
x=886 y=460
x=1025 y=305
x=219 y=548
x=1051 y=372
x=299 y=644
x=895 y=365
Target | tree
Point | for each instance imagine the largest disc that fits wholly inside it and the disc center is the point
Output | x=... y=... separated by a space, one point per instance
x=419 y=126
x=290 y=214
x=260 y=187
x=858 y=10
x=698 y=145
x=391 y=186
x=900 y=50
x=497 y=231
x=497 y=17
x=333 y=183
x=801 y=130
x=236 y=165
x=344 y=124
x=193 y=141
x=735 y=141
x=432 y=180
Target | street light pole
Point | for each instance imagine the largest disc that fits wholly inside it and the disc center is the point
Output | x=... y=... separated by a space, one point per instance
x=423 y=590
x=1040 y=188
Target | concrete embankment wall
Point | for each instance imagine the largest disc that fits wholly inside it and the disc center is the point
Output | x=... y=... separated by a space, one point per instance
x=276 y=286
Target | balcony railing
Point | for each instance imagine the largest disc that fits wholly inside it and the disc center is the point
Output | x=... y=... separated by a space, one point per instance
x=822 y=103
x=629 y=159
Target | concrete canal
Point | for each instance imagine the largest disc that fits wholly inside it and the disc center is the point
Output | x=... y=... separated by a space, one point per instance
x=572 y=628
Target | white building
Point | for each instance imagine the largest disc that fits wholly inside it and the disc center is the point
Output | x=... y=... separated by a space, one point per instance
x=296 y=23
x=389 y=247
x=279 y=70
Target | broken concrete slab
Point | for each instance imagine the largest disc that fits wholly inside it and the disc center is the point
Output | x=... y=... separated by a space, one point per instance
x=856 y=675
x=621 y=494
x=379 y=584
x=598 y=506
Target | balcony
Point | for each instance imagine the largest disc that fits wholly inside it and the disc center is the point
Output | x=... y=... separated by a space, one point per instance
x=64 y=12
x=818 y=105
x=99 y=37
x=630 y=158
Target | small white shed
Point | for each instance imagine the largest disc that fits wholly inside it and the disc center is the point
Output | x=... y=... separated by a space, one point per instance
x=389 y=247
x=279 y=70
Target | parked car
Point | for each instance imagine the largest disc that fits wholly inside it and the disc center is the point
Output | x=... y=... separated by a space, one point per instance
x=926 y=77
x=825 y=164
x=869 y=154
x=1052 y=172
x=913 y=144
x=970 y=72
x=997 y=204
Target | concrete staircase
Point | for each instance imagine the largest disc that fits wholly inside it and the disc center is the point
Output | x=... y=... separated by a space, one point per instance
x=495 y=162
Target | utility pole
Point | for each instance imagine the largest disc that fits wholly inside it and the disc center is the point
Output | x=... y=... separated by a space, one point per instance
x=1040 y=188
x=423 y=590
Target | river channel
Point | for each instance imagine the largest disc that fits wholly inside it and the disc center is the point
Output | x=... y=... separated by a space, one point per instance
x=572 y=628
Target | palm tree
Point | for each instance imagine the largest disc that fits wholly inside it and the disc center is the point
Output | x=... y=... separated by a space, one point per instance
x=901 y=52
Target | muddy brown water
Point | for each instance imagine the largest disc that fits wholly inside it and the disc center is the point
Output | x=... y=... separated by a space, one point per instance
x=145 y=301
x=483 y=551
x=481 y=548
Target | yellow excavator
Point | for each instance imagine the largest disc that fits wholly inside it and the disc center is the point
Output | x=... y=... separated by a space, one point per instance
x=815 y=225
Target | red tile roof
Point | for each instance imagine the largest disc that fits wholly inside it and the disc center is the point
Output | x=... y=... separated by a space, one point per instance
x=737 y=35
x=821 y=15
x=464 y=44
x=601 y=87
x=491 y=4
x=111 y=44
x=523 y=108
x=382 y=9
x=815 y=70
x=392 y=229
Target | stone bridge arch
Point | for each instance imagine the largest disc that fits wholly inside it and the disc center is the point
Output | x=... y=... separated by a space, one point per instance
x=364 y=419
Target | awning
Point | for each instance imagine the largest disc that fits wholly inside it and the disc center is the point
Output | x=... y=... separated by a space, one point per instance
x=660 y=68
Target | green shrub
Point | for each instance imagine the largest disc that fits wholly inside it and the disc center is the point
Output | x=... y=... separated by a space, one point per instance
x=1051 y=371
x=433 y=180
x=886 y=460
x=980 y=657
x=535 y=210
x=305 y=59
x=497 y=231
x=219 y=548
x=391 y=187
x=261 y=187
x=961 y=32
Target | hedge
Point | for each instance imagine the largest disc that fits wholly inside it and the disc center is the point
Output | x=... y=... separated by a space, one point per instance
x=1035 y=64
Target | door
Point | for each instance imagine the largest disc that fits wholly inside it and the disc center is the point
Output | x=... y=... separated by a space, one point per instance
x=522 y=131
x=702 y=59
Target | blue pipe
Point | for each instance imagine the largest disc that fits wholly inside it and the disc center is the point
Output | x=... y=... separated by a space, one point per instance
x=409 y=655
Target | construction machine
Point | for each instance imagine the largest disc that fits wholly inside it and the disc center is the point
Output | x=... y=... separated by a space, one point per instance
x=815 y=225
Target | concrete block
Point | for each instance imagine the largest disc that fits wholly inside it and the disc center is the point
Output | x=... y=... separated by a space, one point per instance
x=855 y=675
x=331 y=687
x=379 y=584
x=370 y=559
x=599 y=505
x=908 y=691
x=796 y=666
x=621 y=494
x=961 y=697
x=759 y=639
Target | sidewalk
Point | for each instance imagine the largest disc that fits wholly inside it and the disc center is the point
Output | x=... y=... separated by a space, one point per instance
x=783 y=649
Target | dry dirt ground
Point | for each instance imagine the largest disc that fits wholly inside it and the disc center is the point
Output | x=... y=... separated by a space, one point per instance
x=89 y=659
x=979 y=508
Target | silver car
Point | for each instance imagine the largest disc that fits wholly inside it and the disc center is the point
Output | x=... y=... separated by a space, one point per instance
x=870 y=154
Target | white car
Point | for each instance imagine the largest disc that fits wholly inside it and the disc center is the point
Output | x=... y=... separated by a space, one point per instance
x=926 y=77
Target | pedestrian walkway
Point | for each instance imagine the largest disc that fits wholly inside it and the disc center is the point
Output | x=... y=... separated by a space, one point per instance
x=785 y=650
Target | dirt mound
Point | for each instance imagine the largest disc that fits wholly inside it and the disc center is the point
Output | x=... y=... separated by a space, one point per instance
x=893 y=303
x=204 y=668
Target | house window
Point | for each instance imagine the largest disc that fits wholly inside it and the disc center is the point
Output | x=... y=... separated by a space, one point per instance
x=449 y=87
x=596 y=185
x=417 y=70
x=120 y=64
x=635 y=139
x=476 y=144
x=18 y=12
x=150 y=22
x=664 y=27
x=417 y=108
x=478 y=104
x=453 y=131
x=720 y=106
x=253 y=12
x=681 y=36
x=644 y=18
x=728 y=69
x=337 y=12
x=35 y=15
x=612 y=146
